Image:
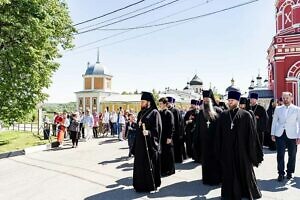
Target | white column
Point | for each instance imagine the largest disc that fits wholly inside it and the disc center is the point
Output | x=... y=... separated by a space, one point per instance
x=83 y=103
x=91 y=103
x=92 y=83
x=298 y=93
x=83 y=83
x=98 y=104
x=77 y=102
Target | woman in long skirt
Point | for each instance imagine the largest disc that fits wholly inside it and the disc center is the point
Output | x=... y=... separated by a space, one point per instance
x=74 y=129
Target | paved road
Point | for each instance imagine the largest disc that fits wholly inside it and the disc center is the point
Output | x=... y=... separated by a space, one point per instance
x=99 y=169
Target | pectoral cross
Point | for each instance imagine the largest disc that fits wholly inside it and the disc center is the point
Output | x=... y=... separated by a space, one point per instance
x=144 y=126
x=208 y=123
x=231 y=126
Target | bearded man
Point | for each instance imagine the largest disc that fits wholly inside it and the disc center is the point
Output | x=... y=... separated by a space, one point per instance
x=237 y=143
x=146 y=148
x=206 y=125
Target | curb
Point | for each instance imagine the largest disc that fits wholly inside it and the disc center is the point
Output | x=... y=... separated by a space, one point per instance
x=12 y=154
x=25 y=151
x=34 y=149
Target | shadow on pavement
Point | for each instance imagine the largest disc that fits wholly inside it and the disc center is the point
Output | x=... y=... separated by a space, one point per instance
x=121 y=182
x=295 y=182
x=181 y=189
x=116 y=160
x=204 y=198
x=126 y=167
x=273 y=185
x=60 y=148
x=268 y=151
x=186 y=166
x=184 y=189
x=109 y=141
x=118 y=193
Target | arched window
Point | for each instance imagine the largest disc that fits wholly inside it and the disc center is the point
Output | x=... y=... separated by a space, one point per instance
x=296 y=13
x=94 y=101
x=279 y=21
x=287 y=17
x=294 y=71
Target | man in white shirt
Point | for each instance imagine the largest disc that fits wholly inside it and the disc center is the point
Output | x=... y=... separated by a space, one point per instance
x=121 y=126
x=113 y=120
x=88 y=122
x=105 y=121
x=286 y=133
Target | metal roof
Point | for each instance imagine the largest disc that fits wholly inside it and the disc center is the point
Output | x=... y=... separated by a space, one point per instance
x=262 y=93
x=97 y=69
x=196 y=81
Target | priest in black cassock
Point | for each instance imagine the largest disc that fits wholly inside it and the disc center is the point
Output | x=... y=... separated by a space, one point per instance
x=245 y=105
x=261 y=117
x=206 y=125
x=189 y=122
x=167 y=150
x=196 y=143
x=236 y=144
x=178 y=137
x=146 y=149
x=270 y=111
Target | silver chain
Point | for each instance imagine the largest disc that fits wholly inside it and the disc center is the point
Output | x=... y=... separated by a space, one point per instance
x=232 y=120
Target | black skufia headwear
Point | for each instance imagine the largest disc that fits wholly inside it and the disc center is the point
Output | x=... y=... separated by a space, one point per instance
x=243 y=100
x=209 y=94
x=147 y=96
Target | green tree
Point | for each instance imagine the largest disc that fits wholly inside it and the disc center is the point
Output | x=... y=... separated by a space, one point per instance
x=136 y=92
x=155 y=95
x=32 y=32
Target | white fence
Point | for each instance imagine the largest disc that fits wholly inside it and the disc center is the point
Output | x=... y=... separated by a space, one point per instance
x=30 y=127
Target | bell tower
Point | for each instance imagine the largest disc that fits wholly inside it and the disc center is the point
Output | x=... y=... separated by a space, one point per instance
x=284 y=51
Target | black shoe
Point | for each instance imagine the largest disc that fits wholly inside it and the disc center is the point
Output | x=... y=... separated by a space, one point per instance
x=289 y=176
x=280 y=178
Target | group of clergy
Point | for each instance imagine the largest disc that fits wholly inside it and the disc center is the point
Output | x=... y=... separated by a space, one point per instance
x=227 y=142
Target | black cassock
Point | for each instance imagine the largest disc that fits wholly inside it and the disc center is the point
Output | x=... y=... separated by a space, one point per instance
x=189 y=130
x=258 y=147
x=196 y=141
x=211 y=168
x=261 y=121
x=238 y=153
x=167 y=150
x=268 y=141
x=178 y=137
x=142 y=176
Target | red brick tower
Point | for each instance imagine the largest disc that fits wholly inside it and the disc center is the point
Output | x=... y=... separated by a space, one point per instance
x=284 y=52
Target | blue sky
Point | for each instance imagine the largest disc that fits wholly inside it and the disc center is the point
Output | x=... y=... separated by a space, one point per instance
x=217 y=47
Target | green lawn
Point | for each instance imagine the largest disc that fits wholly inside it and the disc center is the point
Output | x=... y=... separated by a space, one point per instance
x=12 y=140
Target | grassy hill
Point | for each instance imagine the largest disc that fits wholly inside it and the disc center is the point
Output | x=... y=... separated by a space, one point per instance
x=59 y=107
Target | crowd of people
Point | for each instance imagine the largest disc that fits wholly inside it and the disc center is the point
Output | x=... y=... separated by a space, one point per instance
x=227 y=142
x=88 y=125
x=226 y=139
